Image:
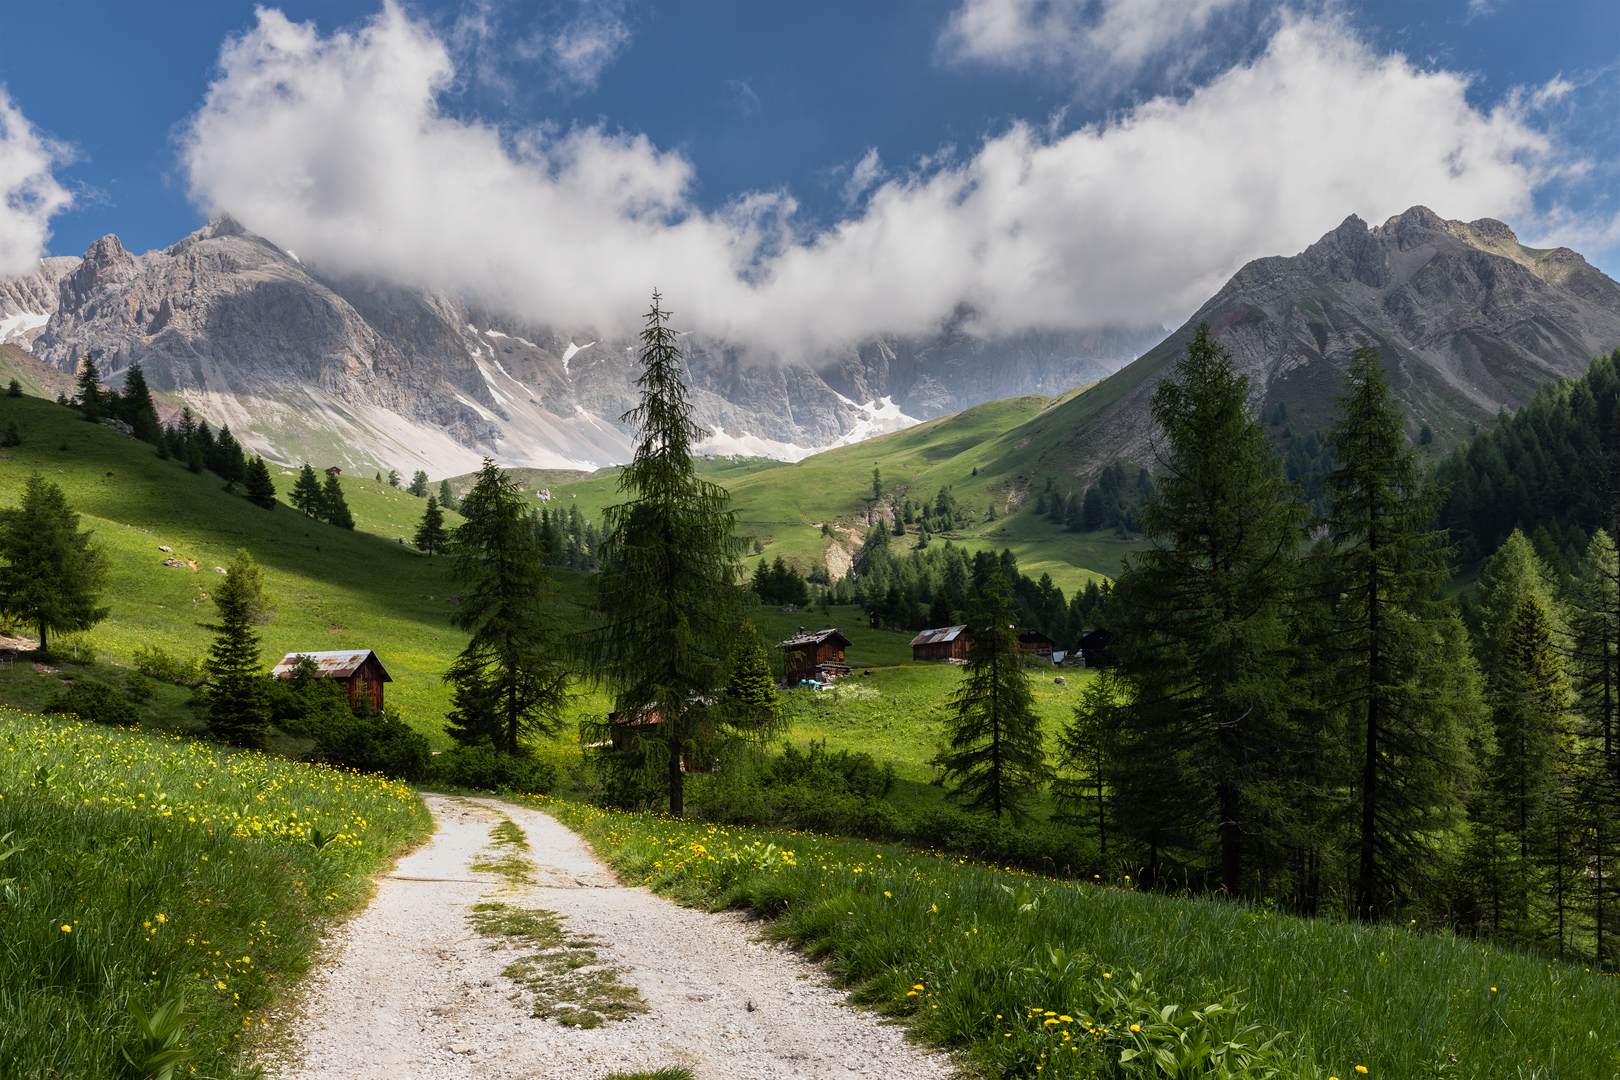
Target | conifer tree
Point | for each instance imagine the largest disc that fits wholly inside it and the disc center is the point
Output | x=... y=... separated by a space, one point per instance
x=136 y=408
x=1202 y=621
x=750 y=691
x=1085 y=749
x=419 y=484
x=939 y=612
x=430 y=534
x=307 y=497
x=447 y=498
x=393 y=478
x=994 y=751
x=238 y=705
x=12 y=435
x=334 y=507
x=53 y=575
x=1593 y=635
x=1410 y=694
x=668 y=596
x=511 y=680
x=14 y=389
x=90 y=398
x=226 y=458
x=261 y=488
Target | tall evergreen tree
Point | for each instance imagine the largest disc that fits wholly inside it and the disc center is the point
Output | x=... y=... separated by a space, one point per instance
x=668 y=595
x=238 y=704
x=53 y=575
x=136 y=408
x=750 y=691
x=393 y=478
x=261 y=488
x=447 y=498
x=91 y=398
x=419 y=484
x=333 y=505
x=1410 y=693
x=994 y=752
x=1202 y=620
x=430 y=534
x=307 y=496
x=511 y=679
x=226 y=458
x=1084 y=750
x=1593 y=637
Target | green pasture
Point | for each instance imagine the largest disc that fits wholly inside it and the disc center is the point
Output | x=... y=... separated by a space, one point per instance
x=1041 y=978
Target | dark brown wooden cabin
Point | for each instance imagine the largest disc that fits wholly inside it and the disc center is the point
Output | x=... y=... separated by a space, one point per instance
x=1033 y=641
x=1094 y=648
x=623 y=725
x=359 y=670
x=334 y=471
x=942 y=643
x=814 y=654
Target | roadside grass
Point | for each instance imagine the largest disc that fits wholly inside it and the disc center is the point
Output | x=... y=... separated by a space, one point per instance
x=1011 y=966
x=149 y=869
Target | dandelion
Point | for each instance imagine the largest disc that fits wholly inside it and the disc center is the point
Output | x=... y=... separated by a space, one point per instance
x=1136 y=1027
x=1361 y=1069
x=66 y=929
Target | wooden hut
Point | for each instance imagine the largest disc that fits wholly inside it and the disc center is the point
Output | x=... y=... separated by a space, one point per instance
x=942 y=643
x=1033 y=641
x=359 y=670
x=334 y=471
x=814 y=654
x=624 y=724
x=1094 y=648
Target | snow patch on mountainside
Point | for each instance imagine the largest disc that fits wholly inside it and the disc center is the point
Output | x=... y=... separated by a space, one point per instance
x=573 y=351
x=14 y=328
x=875 y=418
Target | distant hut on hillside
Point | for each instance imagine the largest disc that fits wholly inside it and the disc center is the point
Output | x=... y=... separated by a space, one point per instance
x=814 y=654
x=1094 y=648
x=358 y=670
x=334 y=471
x=941 y=643
x=1033 y=641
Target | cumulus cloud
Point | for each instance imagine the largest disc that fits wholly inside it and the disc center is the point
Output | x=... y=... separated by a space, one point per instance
x=336 y=146
x=29 y=193
x=1096 y=43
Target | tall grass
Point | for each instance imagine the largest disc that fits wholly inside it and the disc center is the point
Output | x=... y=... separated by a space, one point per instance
x=150 y=869
x=999 y=954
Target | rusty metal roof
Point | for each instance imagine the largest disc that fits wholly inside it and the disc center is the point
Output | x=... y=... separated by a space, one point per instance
x=938 y=635
x=813 y=637
x=330 y=665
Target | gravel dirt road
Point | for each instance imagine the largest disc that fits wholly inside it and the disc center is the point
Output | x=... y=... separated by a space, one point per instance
x=408 y=990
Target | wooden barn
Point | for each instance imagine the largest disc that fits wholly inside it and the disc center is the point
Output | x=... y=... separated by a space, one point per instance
x=814 y=654
x=1094 y=648
x=1033 y=641
x=334 y=471
x=623 y=724
x=942 y=643
x=359 y=670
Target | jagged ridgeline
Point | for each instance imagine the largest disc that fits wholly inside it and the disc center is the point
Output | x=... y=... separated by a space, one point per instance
x=1549 y=469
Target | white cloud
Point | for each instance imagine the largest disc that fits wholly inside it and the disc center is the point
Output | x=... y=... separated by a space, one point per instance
x=29 y=192
x=1097 y=43
x=336 y=146
x=577 y=53
x=867 y=171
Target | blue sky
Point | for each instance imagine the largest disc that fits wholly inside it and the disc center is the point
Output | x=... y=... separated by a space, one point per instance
x=806 y=171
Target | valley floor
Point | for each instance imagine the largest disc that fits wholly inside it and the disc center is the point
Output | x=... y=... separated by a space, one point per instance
x=411 y=991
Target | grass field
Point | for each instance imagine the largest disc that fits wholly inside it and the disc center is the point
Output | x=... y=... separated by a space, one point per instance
x=146 y=870
x=1016 y=969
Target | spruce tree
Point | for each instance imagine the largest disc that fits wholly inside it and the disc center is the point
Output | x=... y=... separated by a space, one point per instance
x=1084 y=751
x=994 y=753
x=430 y=534
x=750 y=691
x=333 y=506
x=1593 y=636
x=393 y=478
x=91 y=398
x=238 y=705
x=511 y=679
x=226 y=459
x=419 y=484
x=261 y=488
x=53 y=575
x=939 y=612
x=668 y=595
x=136 y=408
x=1202 y=623
x=14 y=389
x=1409 y=694
x=307 y=496
x=447 y=498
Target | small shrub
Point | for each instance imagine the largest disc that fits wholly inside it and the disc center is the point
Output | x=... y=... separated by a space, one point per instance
x=483 y=766
x=89 y=700
x=157 y=664
x=138 y=686
x=371 y=743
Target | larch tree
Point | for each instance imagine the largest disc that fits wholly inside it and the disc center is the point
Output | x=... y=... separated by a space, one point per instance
x=994 y=752
x=238 y=704
x=512 y=679
x=430 y=533
x=53 y=574
x=419 y=484
x=1404 y=676
x=668 y=598
x=1593 y=658
x=1201 y=619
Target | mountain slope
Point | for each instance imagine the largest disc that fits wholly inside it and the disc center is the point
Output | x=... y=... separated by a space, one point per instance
x=308 y=366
